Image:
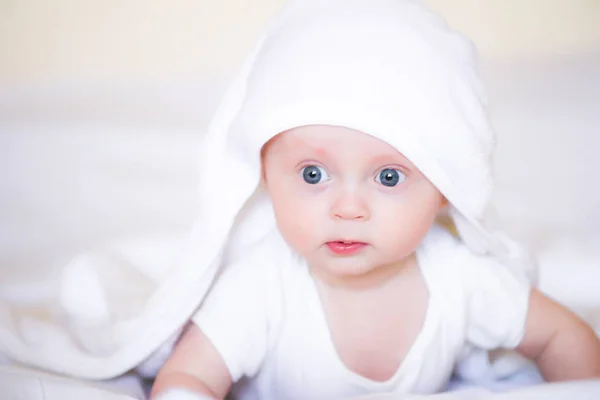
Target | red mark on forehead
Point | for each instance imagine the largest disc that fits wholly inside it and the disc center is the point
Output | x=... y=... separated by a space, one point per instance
x=297 y=142
x=320 y=151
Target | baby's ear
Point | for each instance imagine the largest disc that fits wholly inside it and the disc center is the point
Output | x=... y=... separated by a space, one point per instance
x=263 y=179
x=263 y=169
x=444 y=203
x=263 y=172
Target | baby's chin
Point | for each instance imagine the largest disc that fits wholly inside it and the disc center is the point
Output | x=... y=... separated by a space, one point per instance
x=359 y=270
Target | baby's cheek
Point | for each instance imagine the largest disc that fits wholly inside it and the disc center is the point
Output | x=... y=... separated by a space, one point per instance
x=403 y=229
x=297 y=236
x=296 y=222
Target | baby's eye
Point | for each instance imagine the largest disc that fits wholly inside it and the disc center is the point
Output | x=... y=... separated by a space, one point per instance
x=390 y=177
x=313 y=174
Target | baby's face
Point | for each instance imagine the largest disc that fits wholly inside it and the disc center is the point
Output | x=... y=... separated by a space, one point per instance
x=347 y=201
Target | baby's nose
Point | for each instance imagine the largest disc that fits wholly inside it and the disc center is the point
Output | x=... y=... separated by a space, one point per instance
x=350 y=205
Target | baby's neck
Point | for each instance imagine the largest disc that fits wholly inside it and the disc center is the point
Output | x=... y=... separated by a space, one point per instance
x=375 y=279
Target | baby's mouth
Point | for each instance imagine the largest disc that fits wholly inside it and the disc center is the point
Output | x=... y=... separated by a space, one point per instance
x=344 y=247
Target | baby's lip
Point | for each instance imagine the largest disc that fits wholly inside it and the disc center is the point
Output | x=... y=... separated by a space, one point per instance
x=345 y=247
x=346 y=241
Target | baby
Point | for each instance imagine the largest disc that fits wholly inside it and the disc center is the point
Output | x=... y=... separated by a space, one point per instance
x=349 y=130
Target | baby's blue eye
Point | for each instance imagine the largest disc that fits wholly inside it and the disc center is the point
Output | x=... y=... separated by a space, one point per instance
x=313 y=174
x=390 y=177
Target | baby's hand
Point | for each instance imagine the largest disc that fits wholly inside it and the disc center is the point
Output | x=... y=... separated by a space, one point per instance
x=182 y=394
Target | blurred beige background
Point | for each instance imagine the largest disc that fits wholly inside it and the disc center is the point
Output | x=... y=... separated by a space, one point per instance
x=150 y=39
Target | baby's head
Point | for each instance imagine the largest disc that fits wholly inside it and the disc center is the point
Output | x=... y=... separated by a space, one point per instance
x=353 y=87
x=345 y=200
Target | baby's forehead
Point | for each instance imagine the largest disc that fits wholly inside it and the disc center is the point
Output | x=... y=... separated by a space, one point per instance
x=306 y=137
x=323 y=140
x=318 y=141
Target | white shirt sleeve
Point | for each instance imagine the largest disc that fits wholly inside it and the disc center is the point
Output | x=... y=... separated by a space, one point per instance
x=235 y=315
x=497 y=303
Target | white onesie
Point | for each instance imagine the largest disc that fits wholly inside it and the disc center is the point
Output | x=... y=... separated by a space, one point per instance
x=265 y=318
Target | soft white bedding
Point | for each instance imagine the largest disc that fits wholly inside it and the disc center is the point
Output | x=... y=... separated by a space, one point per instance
x=28 y=384
x=108 y=174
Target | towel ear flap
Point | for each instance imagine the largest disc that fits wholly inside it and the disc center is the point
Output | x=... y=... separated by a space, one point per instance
x=473 y=234
x=482 y=241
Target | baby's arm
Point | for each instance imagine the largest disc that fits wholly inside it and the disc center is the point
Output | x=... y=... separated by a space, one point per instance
x=194 y=367
x=563 y=346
